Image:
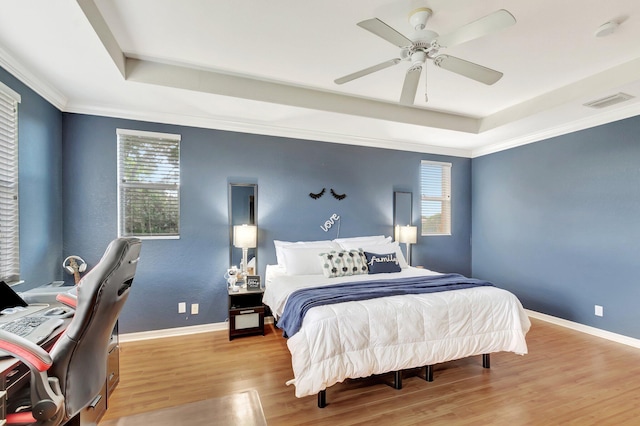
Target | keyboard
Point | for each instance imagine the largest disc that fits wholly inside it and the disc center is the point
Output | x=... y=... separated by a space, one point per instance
x=33 y=328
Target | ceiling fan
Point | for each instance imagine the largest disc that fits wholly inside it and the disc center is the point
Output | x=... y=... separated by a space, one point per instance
x=426 y=44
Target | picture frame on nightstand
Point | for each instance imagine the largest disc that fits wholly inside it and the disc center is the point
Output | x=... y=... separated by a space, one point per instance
x=253 y=282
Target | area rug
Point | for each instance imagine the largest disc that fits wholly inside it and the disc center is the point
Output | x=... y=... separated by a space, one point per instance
x=239 y=409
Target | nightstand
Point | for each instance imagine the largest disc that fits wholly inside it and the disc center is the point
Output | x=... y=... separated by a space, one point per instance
x=246 y=313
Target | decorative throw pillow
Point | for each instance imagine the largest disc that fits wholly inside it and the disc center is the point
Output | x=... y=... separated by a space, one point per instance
x=382 y=263
x=343 y=263
x=386 y=248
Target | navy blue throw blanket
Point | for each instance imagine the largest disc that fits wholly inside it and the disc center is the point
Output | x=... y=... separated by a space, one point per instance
x=300 y=301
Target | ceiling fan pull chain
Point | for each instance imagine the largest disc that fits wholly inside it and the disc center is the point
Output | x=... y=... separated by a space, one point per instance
x=426 y=98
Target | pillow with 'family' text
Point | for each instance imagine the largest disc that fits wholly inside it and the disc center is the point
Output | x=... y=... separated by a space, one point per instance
x=382 y=263
x=343 y=263
x=392 y=247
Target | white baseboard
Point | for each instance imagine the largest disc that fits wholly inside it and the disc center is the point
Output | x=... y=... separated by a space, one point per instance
x=179 y=331
x=619 y=338
x=221 y=326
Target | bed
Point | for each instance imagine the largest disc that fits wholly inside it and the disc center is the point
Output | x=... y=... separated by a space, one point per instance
x=362 y=337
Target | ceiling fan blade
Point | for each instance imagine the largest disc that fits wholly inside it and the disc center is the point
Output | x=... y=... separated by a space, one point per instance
x=384 y=31
x=366 y=71
x=468 y=69
x=410 y=85
x=493 y=22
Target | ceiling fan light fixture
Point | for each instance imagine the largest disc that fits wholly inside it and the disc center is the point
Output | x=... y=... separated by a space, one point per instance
x=418 y=57
x=419 y=17
x=425 y=44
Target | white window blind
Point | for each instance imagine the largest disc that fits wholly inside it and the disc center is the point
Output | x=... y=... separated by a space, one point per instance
x=148 y=184
x=435 y=200
x=9 y=231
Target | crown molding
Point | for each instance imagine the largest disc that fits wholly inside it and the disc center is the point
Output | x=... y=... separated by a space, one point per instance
x=38 y=85
x=242 y=126
x=600 y=119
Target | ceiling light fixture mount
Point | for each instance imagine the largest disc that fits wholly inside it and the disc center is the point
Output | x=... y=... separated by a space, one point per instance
x=419 y=17
x=606 y=29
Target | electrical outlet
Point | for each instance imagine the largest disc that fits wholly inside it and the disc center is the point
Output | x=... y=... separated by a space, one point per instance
x=182 y=308
x=194 y=308
x=599 y=311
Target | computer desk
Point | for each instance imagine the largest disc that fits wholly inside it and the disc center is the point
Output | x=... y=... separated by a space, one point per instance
x=14 y=375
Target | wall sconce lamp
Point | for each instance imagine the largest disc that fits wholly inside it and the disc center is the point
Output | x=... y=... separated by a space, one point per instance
x=408 y=235
x=245 y=237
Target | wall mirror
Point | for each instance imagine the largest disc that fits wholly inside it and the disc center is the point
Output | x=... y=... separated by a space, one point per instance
x=402 y=211
x=243 y=203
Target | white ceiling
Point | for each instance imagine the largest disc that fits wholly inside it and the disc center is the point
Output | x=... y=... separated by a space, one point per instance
x=268 y=67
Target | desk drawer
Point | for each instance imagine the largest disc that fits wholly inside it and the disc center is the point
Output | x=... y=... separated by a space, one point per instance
x=16 y=378
x=3 y=406
x=113 y=370
x=94 y=412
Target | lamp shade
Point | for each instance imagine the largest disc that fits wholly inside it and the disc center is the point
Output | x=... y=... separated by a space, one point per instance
x=245 y=236
x=408 y=234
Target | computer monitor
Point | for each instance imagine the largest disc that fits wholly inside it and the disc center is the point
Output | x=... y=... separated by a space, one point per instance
x=9 y=298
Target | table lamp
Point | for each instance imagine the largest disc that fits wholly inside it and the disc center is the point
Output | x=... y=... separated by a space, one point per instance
x=245 y=237
x=408 y=235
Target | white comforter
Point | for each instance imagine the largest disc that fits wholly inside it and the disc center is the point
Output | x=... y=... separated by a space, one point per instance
x=358 y=339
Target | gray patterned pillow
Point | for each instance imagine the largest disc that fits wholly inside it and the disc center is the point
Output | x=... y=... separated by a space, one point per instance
x=343 y=263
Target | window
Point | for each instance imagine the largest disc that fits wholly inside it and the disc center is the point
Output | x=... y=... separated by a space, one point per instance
x=9 y=231
x=148 y=184
x=435 y=199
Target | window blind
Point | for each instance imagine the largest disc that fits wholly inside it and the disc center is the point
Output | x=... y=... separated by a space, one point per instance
x=435 y=200
x=149 y=184
x=9 y=214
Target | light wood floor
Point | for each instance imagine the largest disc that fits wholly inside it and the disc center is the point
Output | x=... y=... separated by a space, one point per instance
x=567 y=378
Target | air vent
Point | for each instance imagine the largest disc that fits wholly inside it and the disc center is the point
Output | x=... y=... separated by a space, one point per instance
x=609 y=100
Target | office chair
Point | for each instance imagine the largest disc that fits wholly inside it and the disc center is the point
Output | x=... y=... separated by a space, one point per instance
x=65 y=380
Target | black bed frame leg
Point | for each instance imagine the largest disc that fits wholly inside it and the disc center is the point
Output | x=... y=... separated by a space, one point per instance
x=486 y=360
x=428 y=373
x=397 y=379
x=322 y=398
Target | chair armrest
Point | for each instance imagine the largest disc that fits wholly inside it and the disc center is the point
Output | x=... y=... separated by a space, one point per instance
x=46 y=396
x=68 y=299
x=26 y=351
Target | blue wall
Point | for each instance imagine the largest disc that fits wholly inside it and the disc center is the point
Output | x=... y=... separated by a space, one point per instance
x=558 y=223
x=286 y=170
x=40 y=186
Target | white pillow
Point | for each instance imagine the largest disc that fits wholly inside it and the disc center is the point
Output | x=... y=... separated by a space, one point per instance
x=386 y=248
x=357 y=242
x=302 y=244
x=372 y=239
x=303 y=260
